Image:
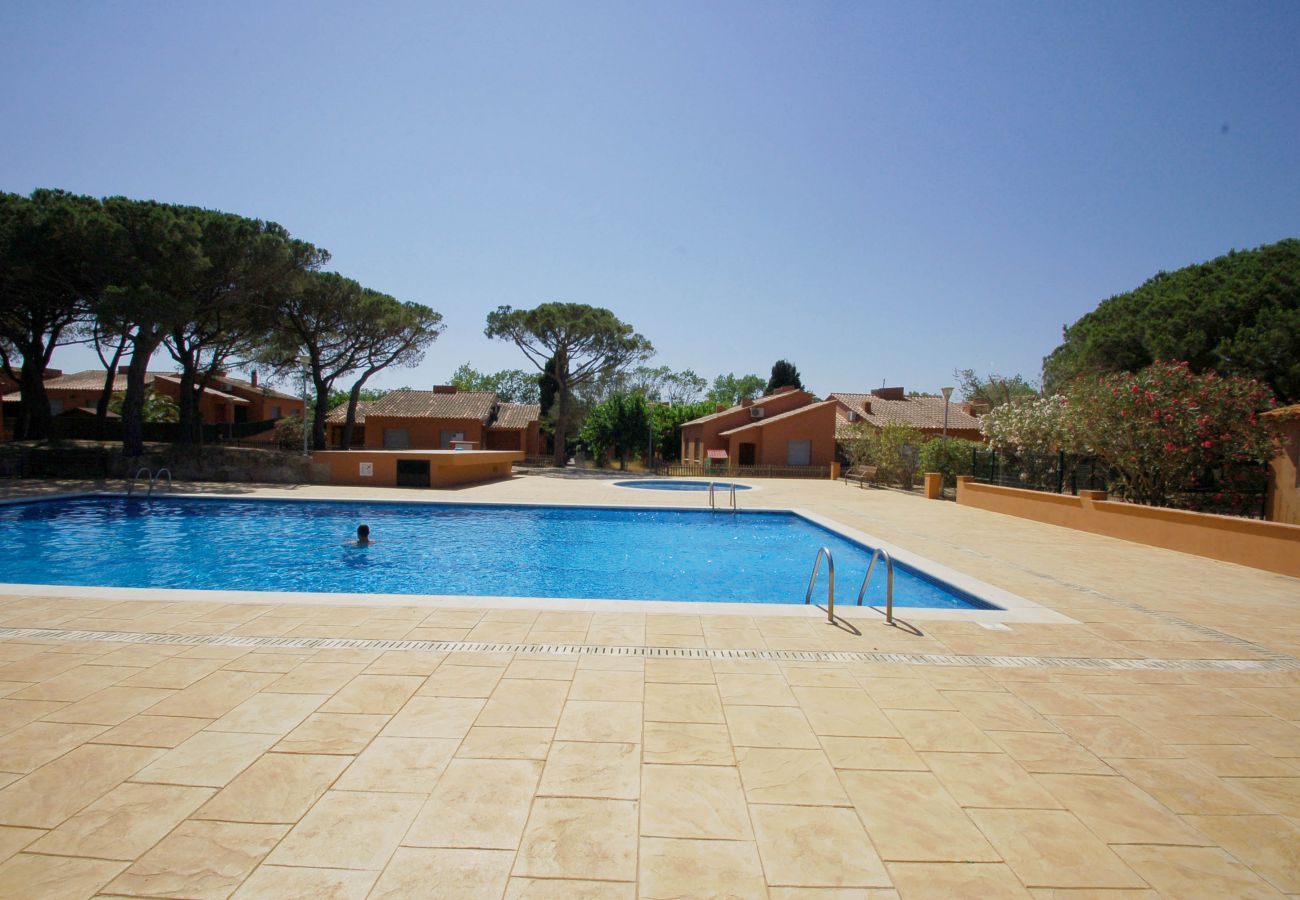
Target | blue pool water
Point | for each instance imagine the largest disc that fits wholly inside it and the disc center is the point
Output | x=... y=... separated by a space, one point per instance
x=429 y=548
x=663 y=484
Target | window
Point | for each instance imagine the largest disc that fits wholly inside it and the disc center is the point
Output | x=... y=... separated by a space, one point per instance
x=275 y=412
x=446 y=437
x=799 y=453
x=397 y=439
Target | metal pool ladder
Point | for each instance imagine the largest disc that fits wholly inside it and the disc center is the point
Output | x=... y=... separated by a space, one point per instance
x=830 y=583
x=713 y=502
x=889 y=582
x=152 y=477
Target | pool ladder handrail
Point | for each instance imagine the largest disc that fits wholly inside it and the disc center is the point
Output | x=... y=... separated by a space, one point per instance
x=889 y=582
x=713 y=503
x=152 y=478
x=830 y=582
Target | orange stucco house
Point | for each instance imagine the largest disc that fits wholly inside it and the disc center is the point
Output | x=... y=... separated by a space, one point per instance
x=785 y=428
x=891 y=406
x=437 y=419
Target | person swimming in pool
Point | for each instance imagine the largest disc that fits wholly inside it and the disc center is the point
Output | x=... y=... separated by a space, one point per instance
x=363 y=536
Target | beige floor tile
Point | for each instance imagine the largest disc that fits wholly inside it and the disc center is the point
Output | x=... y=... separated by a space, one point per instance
x=284 y=882
x=76 y=684
x=768 y=726
x=1118 y=811
x=209 y=759
x=687 y=743
x=691 y=868
x=14 y=839
x=37 y=743
x=16 y=713
x=173 y=673
x=1195 y=872
x=435 y=717
x=55 y=877
x=264 y=661
x=111 y=706
x=1043 y=752
x=815 y=846
x=152 y=731
x=277 y=788
x=905 y=693
x=1052 y=848
x=58 y=789
x=200 y=860
x=506 y=743
x=693 y=802
x=941 y=881
x=1278 y=795
x=467 y=874
x=679 y=671
x=843 y=712
x=1111 y=736
x=911 y=818
x=341 y=733
x=754 y=690
x=405 y=662
x=568 y=889
x=940 y=731
x=994 y=711
x=593 y=684
x=214 y=695
x=804 y=777
x=523 y=704
x=276 y=714
x=815 y=676
x=611 y=771
x=600 y=720
x=1228 y=760
x=123 y=823
x=348 y=830
x=367 y=694
x=451 y=680
x=1270 y=845
x=579 y=838
x=1185 y=787
x=478 y=803
x=542 y=669
x=315 y=677
x=872 y=753
x=682 y=702
x=399 y=765
x=988 y=779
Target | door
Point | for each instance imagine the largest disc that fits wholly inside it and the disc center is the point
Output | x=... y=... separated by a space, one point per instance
x=241 y=414
x=412 y=473
x=799 y=453
x=746 y=456
x=397 y=439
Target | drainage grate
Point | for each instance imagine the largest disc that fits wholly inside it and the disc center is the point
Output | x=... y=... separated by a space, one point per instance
x=847 y=656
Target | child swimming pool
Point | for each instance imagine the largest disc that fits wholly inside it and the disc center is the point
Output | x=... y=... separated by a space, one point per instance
x=665 y=484
x=439 y=549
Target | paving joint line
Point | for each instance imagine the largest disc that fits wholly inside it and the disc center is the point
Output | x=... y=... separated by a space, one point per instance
x=647 y=652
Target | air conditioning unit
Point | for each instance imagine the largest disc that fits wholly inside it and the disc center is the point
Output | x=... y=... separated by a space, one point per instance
x=756 y=412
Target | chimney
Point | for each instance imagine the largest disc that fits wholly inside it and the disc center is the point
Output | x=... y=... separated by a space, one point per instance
x=719 y=407
x=444 y=388
x=890 y=393
x=866 y=407
x=968 y=408
x=53 y=373
x=252 y=378
x=122 y=370
x=746 y=403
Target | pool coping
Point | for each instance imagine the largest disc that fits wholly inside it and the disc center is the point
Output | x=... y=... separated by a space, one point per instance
x=1014 y=608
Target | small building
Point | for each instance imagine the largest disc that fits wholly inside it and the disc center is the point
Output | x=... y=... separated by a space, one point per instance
x=439 y=419
x=892 y=406
x=1283 y=502
x=784 y=428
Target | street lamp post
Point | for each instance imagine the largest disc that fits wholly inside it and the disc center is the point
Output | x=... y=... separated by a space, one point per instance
x=947 y=466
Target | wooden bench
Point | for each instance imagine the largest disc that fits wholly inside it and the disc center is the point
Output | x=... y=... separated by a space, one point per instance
x=860 y=474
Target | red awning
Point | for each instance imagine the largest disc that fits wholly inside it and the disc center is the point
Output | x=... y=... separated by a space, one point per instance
x=717 y=454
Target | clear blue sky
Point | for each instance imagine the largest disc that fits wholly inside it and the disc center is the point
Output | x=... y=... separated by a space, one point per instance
x=875 y=192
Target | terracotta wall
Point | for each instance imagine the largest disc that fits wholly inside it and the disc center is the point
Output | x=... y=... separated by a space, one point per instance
x=1284 y=475
x=426 y=434
x=1274 y=546
x=772 y=440
x=446 y=467
x=705 y=434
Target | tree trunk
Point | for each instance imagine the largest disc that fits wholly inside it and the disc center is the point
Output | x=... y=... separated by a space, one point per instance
x=34 y=420
x=354 y=397
x=562 y=402
x=319 y=411
x=142 y=349
x=188 y=405
x=101 y=408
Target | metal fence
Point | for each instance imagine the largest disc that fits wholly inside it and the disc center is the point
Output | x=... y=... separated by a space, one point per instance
x=680 y=470
x=1058 y=473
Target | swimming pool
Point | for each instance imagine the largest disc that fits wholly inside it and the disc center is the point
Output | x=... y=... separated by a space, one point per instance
x=666 y=484
x=439 y=549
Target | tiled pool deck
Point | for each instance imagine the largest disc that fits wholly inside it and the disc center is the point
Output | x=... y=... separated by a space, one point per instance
x=187 y=769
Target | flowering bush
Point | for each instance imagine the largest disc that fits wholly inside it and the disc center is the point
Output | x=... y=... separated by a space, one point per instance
x=1030 y=425
x=1165 y=430
x=894 y=450
x=951 y=461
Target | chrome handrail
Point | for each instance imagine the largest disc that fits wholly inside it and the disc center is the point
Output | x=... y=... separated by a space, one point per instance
x=153 y=481
x=130 y=488
x=889 y=582
x=830 y=584
x=713 y=504
x=733 y=497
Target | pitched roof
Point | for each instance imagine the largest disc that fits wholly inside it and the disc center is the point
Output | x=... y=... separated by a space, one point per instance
x=517 y=415
x=339 y=414
x=408 y=404
x=918 y=412
x=768 y=420
x=93 y=380
x=737 y=408
x=264 y=389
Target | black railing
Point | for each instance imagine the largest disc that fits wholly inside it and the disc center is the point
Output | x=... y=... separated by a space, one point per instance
x=1058 y=473
x=682 y=470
